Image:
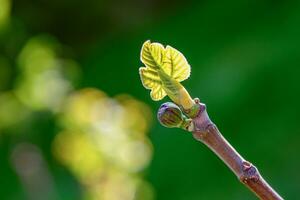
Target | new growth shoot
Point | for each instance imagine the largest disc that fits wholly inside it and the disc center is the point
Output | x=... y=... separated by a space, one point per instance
x=163 y=71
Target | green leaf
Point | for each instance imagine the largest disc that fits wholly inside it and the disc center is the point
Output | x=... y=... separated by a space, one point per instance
x=152 y=55
x=164 y=69
x=151 y=80
x=176 y=65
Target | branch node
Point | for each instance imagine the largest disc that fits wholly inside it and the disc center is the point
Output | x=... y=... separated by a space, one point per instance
x=202 y=124
x=197 y=100
x=250 y=173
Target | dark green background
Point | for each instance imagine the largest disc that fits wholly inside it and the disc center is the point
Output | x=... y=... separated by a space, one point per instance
x=245 y=58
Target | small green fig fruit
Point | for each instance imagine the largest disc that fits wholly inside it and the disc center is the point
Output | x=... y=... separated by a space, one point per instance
x=171 y=116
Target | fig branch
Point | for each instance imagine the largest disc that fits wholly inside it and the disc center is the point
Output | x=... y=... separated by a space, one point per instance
x=205 y=130
x=165 y=68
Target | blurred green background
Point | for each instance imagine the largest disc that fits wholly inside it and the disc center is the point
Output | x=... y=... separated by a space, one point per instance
x=72 y=122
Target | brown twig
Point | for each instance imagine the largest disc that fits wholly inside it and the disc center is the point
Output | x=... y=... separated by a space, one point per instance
x=191 y=115
x=207 y=132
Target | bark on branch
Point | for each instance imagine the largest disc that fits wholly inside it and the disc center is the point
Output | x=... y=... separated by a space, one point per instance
x=207 y=132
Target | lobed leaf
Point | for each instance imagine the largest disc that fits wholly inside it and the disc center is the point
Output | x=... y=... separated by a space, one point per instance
x=163 y=66
x=151 y=80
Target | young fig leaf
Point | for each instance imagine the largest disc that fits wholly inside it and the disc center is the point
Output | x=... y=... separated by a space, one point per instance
x=164 y=69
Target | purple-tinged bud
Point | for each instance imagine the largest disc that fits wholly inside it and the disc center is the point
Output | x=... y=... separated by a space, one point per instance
x=171 y=116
